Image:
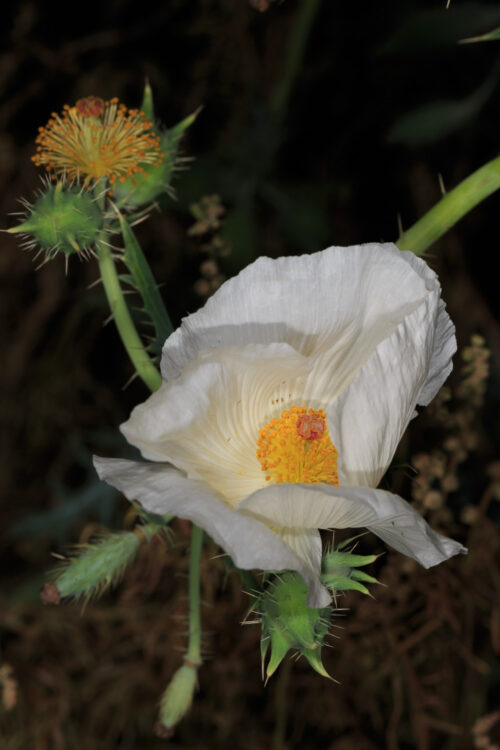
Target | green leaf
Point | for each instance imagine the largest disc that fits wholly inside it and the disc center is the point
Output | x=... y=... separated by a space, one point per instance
x=435 y=120
x=300 y=214
x=440 y=28
x=431 y=122
x=240 y=233
x=145 y=284
x=490 y=36
x=94 y=497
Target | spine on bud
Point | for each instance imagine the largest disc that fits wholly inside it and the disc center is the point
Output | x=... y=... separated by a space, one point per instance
x=64 y=219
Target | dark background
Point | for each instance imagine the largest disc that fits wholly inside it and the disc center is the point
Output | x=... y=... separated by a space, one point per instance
x=325 y=148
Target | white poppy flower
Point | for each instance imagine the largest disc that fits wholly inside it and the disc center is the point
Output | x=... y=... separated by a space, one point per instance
x=283 y=402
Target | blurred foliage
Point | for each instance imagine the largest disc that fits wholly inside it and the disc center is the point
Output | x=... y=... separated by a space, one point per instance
x=419 y=666
x=490 y=36
x=436 y=120
x=429 y=28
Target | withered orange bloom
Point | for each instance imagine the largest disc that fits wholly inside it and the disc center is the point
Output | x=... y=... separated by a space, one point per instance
x=97 y=139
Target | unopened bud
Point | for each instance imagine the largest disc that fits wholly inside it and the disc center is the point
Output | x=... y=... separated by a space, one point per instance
x=63 y=219
x=178 y=696
x=288 y=623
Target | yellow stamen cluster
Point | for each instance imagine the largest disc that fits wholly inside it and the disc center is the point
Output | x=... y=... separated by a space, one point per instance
x=96 y=139
x=297 y=448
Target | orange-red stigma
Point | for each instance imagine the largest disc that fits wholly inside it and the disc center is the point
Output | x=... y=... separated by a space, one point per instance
x=90 y=106
x=297 y=448
x=310 y=427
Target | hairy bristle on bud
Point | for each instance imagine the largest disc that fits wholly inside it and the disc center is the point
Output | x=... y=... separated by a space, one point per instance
x=102 y=564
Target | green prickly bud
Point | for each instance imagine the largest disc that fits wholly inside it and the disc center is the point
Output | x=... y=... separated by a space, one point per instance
x=177 y=699
x=102 y=564
x=154 y=179
x=63 y=219
x=288 y=623
x=340 y=571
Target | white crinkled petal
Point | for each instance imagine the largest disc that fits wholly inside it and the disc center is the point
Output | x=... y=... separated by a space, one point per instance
x=307 y=545
x=367 y=421
x=250 y=543
x=444 y=343
x=207 y=421
x=322 y=507
x=336 y=306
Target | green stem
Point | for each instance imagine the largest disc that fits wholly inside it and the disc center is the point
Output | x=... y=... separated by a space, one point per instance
x=279 y=733
x=297 y=42
x=124 y=323
x=193 y=653
x=455 y=204
x=151 y=377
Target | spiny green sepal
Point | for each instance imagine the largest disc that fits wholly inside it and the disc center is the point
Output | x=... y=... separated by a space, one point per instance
x=63 y=219
x=340 y=571
x=147 y=105
x=288 y=623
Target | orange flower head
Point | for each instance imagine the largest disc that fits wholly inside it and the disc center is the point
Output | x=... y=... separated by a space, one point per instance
x=98 y=139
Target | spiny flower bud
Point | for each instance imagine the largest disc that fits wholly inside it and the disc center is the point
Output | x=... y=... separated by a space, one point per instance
x=152 y=180
x=288 y=623
x=177 y=699
x=63 y=219
x=341 y=570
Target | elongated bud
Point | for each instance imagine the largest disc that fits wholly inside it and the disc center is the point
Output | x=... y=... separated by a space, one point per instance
x=288 y=623
x=101 y=565
x=63 y=219
x=177 y=699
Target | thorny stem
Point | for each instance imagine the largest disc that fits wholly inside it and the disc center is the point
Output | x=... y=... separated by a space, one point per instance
x=193 y=653
x=281 y=705
x=123 y=320
x=152 y=378
x=119 y=310
x=452 y=207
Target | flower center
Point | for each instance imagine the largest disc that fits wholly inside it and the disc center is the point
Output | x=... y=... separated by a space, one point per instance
x=297 y=448
x=97 y=138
